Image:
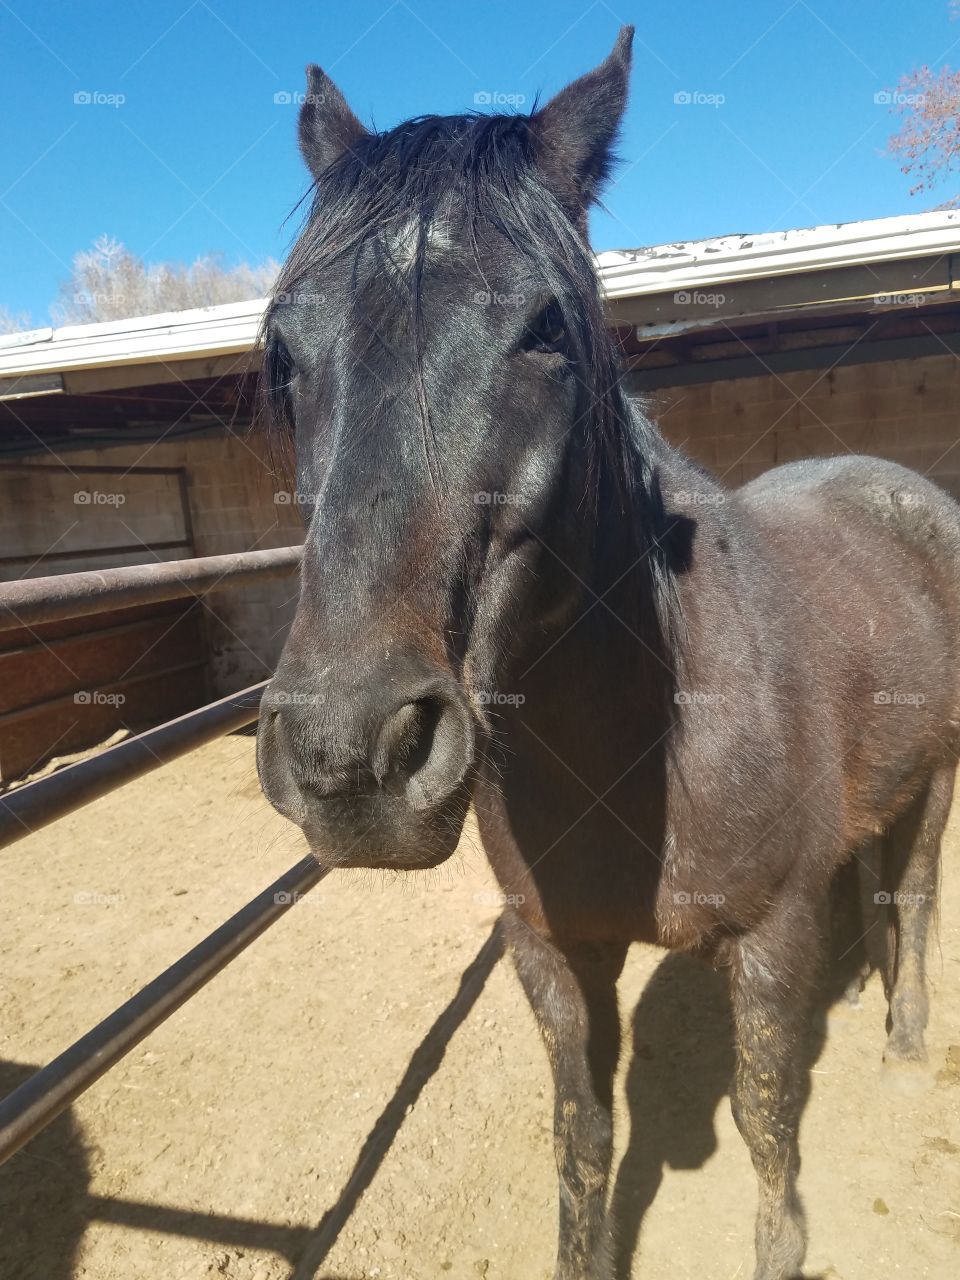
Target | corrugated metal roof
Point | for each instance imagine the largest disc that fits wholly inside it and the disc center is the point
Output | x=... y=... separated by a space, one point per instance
x=233 y=327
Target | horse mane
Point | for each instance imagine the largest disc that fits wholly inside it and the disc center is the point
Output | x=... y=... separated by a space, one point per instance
x=478 y=170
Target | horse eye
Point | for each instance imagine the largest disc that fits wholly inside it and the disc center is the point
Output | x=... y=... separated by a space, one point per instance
x=547 y=332
x=281 y=354
x=279 y=372
x=280 y=364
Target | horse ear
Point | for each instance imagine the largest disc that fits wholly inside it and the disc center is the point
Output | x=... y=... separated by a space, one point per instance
x=328 y=127
x=575 y=131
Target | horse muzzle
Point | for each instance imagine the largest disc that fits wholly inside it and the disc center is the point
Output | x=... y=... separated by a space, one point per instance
x=373 y=761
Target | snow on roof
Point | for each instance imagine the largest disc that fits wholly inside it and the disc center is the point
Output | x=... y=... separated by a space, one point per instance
x=233 y=327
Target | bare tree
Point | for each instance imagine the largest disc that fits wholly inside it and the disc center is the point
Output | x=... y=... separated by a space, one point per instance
x=13 y=321
x=928 y=141
x=109 y=282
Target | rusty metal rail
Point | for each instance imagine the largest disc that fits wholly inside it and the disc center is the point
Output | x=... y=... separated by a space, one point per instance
x=51 y=1090
x=29 y=601
x=32 y=806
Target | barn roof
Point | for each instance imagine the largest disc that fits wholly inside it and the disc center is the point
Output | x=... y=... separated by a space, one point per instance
x=723 y=259
x=202 y=333
x=660 y=292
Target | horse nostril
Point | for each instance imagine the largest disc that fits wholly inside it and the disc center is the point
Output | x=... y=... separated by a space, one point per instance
x=424 y=750
x=404 y=740
x=276 y=777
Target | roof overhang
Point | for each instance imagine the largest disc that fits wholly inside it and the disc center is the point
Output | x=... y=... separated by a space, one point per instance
x=200 y=343
x=665 y=292
x=703 y=264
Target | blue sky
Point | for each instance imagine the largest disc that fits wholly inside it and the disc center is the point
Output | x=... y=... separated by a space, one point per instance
x=198 y=156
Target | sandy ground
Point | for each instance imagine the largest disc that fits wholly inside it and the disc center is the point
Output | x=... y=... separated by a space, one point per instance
x=226 y=1144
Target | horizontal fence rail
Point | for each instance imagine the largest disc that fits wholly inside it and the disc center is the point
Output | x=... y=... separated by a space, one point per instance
x=51 y=1090
x=30 y=601
x=32 y=806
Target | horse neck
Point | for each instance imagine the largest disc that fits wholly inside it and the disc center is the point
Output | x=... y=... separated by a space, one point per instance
x=601 y=645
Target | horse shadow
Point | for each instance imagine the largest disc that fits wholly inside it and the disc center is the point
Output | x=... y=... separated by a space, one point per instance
x=682 y=1064
x=680 y=1069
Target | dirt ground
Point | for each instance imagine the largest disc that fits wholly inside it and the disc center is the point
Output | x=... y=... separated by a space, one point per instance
x=227 y=1143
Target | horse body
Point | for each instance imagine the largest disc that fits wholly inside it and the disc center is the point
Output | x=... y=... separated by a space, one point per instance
x=873 y=552
x=682 y=713
x=815 y=706
x=817 y=692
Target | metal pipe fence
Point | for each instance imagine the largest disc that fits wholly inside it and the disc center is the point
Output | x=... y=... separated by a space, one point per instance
x=34 y=805
x=30 y=601
x=50 y=1090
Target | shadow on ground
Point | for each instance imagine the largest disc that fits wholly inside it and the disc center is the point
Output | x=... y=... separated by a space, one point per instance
x=683 y=1059
x=46 y=1204
x=43 y=1195
x=680 y=1070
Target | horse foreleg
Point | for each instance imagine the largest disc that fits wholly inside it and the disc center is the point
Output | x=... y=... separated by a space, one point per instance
x=573 y=994
x=774 y=974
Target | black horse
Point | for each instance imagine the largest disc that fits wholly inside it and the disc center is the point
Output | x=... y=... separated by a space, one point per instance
x=678 y=710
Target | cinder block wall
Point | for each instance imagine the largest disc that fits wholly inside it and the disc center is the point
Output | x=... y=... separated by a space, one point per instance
x=232 y=497
x=906 y=410
x=49 y=517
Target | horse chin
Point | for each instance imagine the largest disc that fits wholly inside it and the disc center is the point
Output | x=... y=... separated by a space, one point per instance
x=410 y=841
x=399 y=862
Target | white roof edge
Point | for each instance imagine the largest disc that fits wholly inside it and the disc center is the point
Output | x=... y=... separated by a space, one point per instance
x=230 y=327
x=233 y=327
x=727 y=259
